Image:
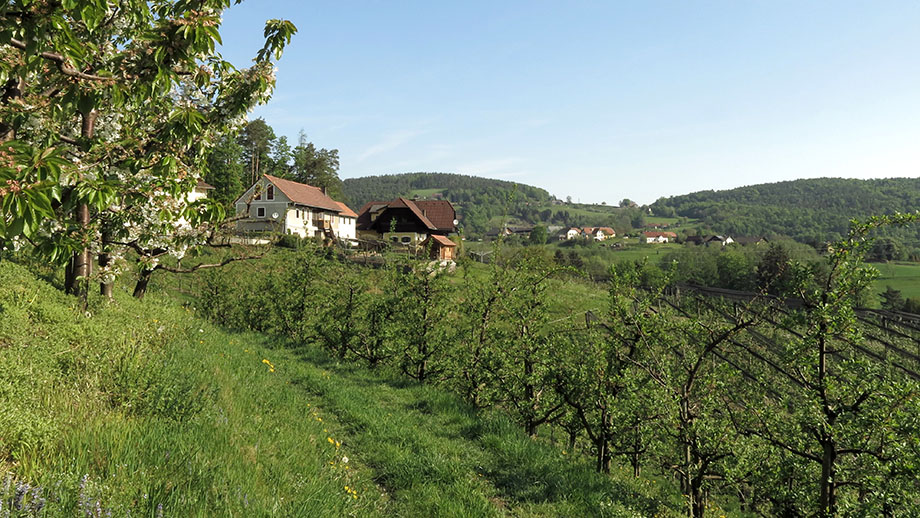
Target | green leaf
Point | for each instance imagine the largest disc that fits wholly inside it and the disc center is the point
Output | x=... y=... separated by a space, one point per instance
x=87 y=103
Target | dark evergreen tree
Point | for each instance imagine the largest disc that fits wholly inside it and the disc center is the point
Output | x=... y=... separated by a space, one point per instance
x=225 y=171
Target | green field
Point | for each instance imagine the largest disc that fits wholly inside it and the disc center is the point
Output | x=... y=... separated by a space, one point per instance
x=634 y=252
x=902 y=276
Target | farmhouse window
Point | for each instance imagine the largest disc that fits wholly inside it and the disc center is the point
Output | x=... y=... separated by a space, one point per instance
x=271 y=192
x=260 y=212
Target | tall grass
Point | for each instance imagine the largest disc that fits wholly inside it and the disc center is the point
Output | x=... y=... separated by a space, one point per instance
x=141 y=408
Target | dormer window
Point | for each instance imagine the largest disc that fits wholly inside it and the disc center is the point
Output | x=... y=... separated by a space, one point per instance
x=271 y=192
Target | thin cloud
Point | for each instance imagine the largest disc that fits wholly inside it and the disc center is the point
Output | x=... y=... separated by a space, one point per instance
x=490 y=167
x=388 y=143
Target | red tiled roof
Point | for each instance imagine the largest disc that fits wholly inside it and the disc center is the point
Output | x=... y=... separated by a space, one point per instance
x=304 y=194
x=204 y=186
x=659 y=234
x=345 y=210
x=409 y=204
x=443 y=240
x=434 y=214
x=440 y=212
x=607 y=230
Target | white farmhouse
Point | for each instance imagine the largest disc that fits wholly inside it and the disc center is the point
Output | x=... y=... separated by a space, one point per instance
x=277 y=205
x=658 y=237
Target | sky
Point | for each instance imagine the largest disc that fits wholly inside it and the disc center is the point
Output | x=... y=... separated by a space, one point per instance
x=600 y=100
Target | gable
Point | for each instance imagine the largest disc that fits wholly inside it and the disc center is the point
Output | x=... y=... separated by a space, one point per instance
x=262 y=184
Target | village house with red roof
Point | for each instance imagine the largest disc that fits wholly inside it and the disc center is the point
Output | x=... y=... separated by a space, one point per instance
x=283 y=206
x=595 y=233
x=405 y=221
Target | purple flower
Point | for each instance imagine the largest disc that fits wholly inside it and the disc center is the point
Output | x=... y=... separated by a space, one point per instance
x=21 y=489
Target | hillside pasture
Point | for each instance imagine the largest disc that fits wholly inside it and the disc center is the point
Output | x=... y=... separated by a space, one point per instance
x=902 y=276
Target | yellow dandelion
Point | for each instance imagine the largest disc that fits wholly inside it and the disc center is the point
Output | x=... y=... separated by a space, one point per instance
x=331 y=441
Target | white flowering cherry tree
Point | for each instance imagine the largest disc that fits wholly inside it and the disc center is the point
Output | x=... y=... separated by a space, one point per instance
x=107 y=109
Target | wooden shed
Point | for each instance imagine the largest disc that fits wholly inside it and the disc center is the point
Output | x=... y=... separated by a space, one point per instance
x=441 y=247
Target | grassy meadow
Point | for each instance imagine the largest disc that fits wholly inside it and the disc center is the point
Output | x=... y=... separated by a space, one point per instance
x=141 y=408
x=902 y=276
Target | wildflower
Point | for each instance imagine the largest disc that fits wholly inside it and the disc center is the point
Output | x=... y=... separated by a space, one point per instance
x=345 y=460
x=331 y=440
x=21 y=489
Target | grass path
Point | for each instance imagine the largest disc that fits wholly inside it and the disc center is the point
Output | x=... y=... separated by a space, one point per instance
x=435 y=456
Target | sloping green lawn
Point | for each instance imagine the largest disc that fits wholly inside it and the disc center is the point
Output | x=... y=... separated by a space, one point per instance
x=142 y=408
x=902 y=276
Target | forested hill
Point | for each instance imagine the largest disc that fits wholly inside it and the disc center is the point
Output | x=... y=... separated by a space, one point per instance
x=476 y=199
x=810 y=210
x=455 y=187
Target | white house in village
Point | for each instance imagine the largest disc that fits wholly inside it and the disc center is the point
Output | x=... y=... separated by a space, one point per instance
x=658 y=237
x=572 y=233
x=599 y=233
x=274 y=204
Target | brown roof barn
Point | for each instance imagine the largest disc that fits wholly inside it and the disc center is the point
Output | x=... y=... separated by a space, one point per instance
x=420 y=216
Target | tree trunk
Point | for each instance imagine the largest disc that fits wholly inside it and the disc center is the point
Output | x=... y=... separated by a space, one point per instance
x=827 y=502
x=697 y=498
x=82 y=259
x=105 y=287
x=140 y=289
x=69 y=276
x=11 y=90
x=530 y=395
x=603 y=444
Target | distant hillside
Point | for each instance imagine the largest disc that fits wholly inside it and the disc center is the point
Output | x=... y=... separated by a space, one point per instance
x=811 y=210
x=478 y=200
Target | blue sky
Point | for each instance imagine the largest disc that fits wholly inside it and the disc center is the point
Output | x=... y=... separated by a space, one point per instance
x=599 y=100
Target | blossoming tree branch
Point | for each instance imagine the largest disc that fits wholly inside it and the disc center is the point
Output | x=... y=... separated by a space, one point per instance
x=107 y=109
